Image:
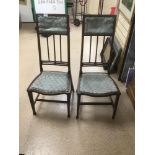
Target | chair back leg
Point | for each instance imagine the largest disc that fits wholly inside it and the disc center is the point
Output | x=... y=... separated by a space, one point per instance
x=72 y=86
x=115 y=106
x=68 y=104
x=78 y=105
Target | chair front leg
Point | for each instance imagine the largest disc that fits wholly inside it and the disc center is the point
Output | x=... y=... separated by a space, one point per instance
x=72 y=86
x=78 y=106
x=68 y=104
x=32 y=102
x=115 y=106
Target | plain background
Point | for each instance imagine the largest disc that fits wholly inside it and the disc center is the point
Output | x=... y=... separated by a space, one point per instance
x=145 y=77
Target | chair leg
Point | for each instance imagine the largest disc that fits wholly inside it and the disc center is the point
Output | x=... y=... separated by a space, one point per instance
x=78 y=106
x=68 y=104
x=115 y=106
x=32 y=102
x=72 y=85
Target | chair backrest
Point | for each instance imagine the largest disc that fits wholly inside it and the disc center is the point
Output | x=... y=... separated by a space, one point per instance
x=98 y=27
x=52 y=28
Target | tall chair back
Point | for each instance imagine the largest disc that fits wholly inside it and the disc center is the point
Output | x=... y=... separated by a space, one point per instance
x=99 y=27
x=52 y=29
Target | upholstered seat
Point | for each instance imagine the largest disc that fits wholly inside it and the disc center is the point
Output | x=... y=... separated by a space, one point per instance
x=96 y=83
x=49 y=82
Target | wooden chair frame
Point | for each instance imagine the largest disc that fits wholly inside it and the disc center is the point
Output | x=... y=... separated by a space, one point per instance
x=96 y=64
x=55 y=62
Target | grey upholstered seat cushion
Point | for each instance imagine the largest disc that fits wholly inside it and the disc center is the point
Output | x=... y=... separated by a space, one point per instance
x=96 y=83
x=51 y=83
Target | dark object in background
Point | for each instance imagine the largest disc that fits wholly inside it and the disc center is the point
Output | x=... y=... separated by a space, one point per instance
x=131 y=91
x=83 y=5
x=130 y=57
x=130 y=75
x=130 y=84
x=116 y=51
x=33 y=10
x=70 y=5
x=100 y=7
x=76 y=22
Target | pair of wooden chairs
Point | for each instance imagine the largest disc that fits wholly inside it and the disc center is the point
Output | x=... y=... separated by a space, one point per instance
x=97 y=84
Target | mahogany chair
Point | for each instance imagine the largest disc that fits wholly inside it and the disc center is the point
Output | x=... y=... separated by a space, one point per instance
x=97 y=84
x=50 y=82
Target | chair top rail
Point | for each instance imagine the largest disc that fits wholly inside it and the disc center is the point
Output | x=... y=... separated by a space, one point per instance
x=52 y=24
x=99 y=25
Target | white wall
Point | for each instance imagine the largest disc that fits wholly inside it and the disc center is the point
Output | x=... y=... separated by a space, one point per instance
x=93 y=6
x=26 y=13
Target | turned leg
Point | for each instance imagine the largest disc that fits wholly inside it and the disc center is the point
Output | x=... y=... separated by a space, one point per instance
x=115 y=106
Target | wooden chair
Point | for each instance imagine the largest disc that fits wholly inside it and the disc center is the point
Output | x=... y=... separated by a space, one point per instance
x=50 y=82
x=97 y=84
